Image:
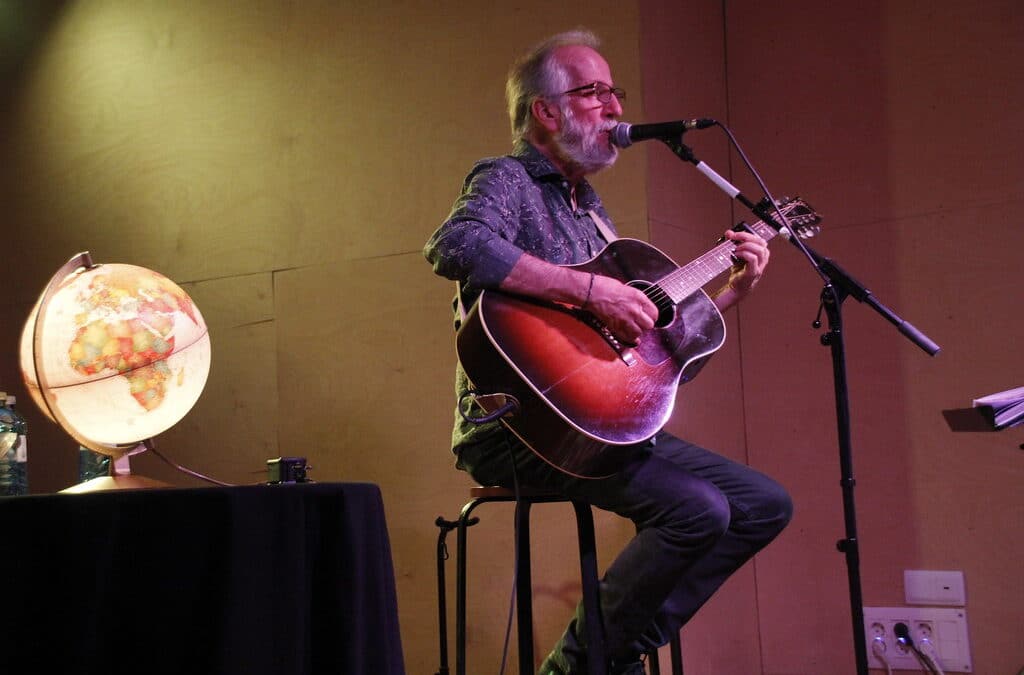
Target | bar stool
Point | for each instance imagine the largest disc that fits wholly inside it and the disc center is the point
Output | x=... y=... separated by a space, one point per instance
x=597 y=663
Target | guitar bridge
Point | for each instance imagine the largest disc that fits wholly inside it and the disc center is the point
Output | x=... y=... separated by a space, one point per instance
x=624 y=351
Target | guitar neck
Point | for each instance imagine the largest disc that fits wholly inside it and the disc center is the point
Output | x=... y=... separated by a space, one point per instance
x=689 y=278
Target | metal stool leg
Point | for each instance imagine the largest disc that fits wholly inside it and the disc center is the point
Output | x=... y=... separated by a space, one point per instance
x=653 y=664
x=677 y=654
x=460 y=587
x=597 y=662
x=524 y=588
x=445 y=527
x=524 y=601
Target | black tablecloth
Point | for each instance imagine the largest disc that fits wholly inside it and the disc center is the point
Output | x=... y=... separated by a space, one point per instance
x=285 y=579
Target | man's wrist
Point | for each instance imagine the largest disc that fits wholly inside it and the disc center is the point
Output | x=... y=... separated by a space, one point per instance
x=590 y=289
x=739 y=289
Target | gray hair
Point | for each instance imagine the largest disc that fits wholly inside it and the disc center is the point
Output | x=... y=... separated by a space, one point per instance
x=538 y=74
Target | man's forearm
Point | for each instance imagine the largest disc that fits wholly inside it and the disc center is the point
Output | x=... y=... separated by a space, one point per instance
x=536 y=278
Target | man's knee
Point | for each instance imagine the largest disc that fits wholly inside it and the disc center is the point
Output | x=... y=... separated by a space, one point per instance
x=775 y=509
x=703 y=514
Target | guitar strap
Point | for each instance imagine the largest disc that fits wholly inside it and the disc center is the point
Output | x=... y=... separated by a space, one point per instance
x=602 y=226
x=462 y=306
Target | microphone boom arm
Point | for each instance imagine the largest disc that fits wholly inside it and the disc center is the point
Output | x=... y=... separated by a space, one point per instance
x=838 y=285
x=830 y=272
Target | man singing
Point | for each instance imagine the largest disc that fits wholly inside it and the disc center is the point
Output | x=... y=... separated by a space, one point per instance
x=518 y=221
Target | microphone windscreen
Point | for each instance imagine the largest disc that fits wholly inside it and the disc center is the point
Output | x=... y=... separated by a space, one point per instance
x=620 y=135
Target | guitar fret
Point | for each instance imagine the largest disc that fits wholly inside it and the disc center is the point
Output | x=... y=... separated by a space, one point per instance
x=688 y=279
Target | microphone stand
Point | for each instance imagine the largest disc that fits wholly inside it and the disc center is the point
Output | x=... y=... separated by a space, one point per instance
x=838 y=286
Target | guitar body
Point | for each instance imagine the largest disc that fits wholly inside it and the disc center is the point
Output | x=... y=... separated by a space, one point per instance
x=582 y=395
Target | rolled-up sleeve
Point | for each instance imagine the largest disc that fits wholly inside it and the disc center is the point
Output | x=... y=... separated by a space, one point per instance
x=475 y=245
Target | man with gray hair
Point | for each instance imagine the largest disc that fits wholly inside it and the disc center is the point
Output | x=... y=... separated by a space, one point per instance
x=519 y=222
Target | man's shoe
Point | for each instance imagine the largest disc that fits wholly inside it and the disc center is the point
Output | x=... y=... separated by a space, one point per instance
x=550 y=666
x=631 y=668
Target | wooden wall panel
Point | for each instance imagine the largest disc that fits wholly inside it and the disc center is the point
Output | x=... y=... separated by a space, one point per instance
x=285 y=162
x=897 y=187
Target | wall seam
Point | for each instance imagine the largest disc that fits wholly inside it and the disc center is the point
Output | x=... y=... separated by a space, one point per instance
x=739 y=322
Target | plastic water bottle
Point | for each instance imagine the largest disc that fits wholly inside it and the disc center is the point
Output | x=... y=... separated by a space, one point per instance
x=13 y=449
x=91 y=464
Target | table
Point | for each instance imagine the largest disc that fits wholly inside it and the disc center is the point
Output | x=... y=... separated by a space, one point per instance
x=277 y=579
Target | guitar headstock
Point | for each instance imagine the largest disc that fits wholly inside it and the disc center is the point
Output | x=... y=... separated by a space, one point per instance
x=804 y=221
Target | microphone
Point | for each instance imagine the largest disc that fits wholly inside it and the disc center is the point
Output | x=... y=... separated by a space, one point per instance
x=624 y=135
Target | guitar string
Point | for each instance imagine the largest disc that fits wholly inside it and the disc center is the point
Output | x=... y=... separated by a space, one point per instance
x=688 y=277
x=685 y=280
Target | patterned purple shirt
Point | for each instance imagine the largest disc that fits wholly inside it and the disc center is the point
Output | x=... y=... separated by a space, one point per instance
x=511 y=205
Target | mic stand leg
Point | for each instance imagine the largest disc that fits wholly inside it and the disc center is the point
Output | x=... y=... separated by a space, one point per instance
x=832 y=299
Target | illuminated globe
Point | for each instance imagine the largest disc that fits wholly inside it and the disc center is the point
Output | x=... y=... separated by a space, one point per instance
x=115 y=354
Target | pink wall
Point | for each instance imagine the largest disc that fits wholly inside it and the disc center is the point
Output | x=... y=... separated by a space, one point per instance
x=897 y=123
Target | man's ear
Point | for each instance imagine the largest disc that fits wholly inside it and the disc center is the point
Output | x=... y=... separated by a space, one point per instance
x=547 y=114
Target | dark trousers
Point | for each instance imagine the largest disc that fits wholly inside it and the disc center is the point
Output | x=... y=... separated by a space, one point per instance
x=699 y=517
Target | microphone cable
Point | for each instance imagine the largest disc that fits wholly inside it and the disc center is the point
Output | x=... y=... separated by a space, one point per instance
x=778 y=216
x=790 y=234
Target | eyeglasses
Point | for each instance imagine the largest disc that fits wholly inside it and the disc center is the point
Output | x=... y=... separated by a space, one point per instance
x=602 y=92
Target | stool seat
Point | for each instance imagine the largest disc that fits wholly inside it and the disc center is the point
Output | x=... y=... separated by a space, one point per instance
x=499 y=493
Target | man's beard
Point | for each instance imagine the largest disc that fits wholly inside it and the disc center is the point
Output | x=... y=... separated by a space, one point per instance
x=584 y=148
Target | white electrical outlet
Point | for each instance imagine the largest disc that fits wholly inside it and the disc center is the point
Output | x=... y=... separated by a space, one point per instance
x=943 y=629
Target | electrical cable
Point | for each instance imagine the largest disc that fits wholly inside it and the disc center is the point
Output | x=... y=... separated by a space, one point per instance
x=929 y=651
x=903 y=637
x=878 y=649
x=195 y=474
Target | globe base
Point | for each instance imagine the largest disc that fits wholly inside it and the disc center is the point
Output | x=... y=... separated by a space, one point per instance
x=129 y=482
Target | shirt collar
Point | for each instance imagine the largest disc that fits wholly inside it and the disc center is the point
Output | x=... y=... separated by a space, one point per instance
x=540 y=168
x=536 y=164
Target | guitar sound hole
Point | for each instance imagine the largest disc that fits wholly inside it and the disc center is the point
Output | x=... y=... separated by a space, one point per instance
x=666 y=309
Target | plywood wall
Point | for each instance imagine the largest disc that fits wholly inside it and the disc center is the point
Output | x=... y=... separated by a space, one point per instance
x=285 y=162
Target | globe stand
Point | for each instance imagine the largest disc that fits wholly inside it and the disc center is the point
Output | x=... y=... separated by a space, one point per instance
x=119 y=470
x=120 y=476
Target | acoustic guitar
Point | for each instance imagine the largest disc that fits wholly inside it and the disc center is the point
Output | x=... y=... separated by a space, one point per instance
x=576 y=395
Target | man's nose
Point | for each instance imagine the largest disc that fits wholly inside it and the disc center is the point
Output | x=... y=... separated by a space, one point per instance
x=613 y=108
